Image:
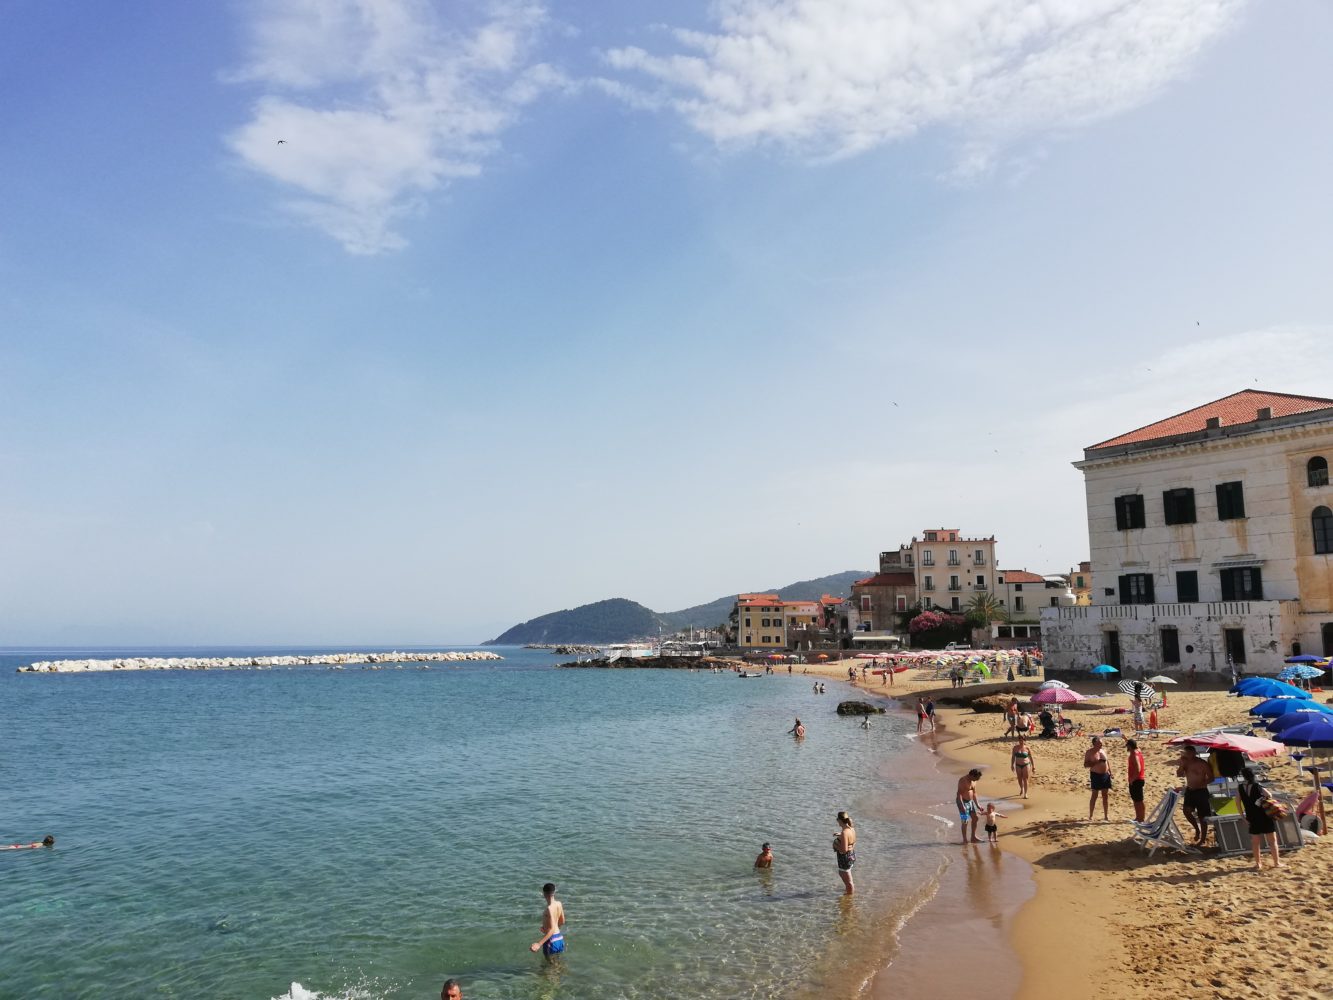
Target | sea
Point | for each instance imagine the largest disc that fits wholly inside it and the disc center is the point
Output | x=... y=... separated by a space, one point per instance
x=364 y=834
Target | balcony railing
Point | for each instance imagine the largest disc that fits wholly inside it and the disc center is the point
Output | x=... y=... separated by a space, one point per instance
x=954 y=562
x=955 y=586
x=978 y=586
x=978 y=561
x=928 y=586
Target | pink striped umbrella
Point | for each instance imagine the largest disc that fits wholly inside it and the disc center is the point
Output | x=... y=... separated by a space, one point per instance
x=1058 y=696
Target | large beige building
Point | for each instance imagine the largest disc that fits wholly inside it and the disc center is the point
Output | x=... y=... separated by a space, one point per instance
x=1211 y=536
x=950 y=567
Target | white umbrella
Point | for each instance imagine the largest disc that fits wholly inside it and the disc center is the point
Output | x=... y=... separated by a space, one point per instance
x=1047 y=685
x=1162 y=679
x=1145 y=691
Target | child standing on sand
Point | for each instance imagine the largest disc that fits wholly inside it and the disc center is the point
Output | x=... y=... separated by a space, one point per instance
x=992 y=829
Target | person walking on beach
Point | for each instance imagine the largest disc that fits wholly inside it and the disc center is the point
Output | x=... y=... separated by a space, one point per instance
x=930 y=712
x=844 y=848
x=1099 y=778
x=797 y=730
x=451 y=990
x=552 y=941
x=1011 y=718
x=1022 y=764
x=966 y=801
x=1190 y=676
x=1197 y=803
x=920 y=715
x=993 y=828
x=1135 y=775
x=1252 y=797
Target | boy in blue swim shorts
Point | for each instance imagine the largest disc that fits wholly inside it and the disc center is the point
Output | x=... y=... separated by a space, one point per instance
x=966 y=801
x=552 y=941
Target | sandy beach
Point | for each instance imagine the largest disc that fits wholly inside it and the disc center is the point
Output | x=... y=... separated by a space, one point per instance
x=1106 y=918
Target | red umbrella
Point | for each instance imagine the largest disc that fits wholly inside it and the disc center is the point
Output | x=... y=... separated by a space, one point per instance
x=1250 y=746
x=1057 y=696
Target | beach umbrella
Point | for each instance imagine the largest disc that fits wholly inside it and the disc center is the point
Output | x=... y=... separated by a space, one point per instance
x=1300 y=671
x=1315 y=733
x=1058 y=696
x=1267 y=687
x=1046 y=685
x=1145 y=692
x=1162 y=679
x=822 y=656
x=1303 y=658
x=982 y=669
x=1105 y=669
x=1274 y=707
x=1250 y=746
x=1282 y=723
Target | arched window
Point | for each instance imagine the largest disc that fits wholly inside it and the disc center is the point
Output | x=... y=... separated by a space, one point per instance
x=1316 y=471
x=1322 y=522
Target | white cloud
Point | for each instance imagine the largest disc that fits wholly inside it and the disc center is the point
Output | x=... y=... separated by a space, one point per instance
x=836 y=77
x=378 y=103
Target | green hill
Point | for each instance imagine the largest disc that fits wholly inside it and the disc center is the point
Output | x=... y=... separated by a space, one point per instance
x=620 y=620
x=616 y=620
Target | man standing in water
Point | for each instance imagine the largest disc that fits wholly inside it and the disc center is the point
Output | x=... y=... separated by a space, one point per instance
x=451 y=990
x=966 y=801
x=552 y=941
x=797 y=730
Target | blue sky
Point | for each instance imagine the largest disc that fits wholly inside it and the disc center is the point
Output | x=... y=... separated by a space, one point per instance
x=542 y=303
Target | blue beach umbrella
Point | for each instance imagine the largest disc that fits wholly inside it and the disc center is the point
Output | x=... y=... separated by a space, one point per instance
x=1282 y=723
x=1303 y=658
x=1266 y=687
x=1274 y=707
x=1104 y=668
x=1315 y=733
x=1300 y=672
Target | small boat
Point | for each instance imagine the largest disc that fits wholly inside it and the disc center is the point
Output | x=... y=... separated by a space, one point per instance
x=747 y=673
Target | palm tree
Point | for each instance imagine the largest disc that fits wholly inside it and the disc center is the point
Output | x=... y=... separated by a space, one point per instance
x=985 y=607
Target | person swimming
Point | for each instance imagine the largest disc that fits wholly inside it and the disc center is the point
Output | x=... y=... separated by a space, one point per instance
x=47 y=841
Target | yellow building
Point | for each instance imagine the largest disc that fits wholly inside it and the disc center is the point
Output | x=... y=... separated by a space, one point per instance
x=761 y=621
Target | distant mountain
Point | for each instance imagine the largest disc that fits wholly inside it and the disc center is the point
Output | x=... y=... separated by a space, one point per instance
x=616 y=620
x=715 y=612
x=620 y=620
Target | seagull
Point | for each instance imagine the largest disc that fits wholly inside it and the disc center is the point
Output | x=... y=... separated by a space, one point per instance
x=282 y=142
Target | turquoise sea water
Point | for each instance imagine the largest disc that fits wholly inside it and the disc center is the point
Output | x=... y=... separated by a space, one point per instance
x=366 y=833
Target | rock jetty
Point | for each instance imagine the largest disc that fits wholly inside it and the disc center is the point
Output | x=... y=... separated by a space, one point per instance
x=249 y=662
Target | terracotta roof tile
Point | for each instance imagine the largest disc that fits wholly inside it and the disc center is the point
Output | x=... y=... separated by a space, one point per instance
x=1238 y=408
x=1020 y=576
x=887 y=580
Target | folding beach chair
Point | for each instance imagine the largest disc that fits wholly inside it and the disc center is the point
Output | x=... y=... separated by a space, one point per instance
x=1163 y=832
x=1165 y=806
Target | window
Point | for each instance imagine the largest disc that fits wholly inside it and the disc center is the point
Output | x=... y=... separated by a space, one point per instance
x=1187 y=586
x=953 y=557
x=954 y=606
x=867 y=604
x=1109 y=592
x=749 y=639
x=1230 y=501
x=1170 y=645
x=1316 y=471
x=1000 y=580
x=1322 y=523
x=764 y=623
x=1078 y=582
x=926 y=604
x=1326 y=634
x=1018 y=587
x=1129 y=511
x=1136 y=588
x=1178 y=506
x=930 y=536
x=979 y=557
x=1018 y=604
x=747 y=623
x=953 y=583
x=927 y=558
x=1242 y=584
x=929 y=583
x=981 y=580
x=1235 y=643
x=902 y=602
x=1055 y=602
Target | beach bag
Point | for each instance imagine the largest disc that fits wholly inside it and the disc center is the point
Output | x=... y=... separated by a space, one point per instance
x=1274 y=808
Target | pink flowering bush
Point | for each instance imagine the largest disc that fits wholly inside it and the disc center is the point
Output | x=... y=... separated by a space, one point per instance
x=929 y=621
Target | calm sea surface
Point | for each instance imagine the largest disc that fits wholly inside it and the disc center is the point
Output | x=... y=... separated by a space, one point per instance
x=365 y=833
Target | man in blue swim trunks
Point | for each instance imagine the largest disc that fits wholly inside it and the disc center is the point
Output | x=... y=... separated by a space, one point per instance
x=553 y=939
x=966 y=801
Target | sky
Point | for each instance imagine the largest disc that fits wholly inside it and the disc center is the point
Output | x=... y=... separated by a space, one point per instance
x=398 y=321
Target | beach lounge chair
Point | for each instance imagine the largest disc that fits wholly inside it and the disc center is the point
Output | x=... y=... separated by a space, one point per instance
x=1163 y=832
x=1165 y=806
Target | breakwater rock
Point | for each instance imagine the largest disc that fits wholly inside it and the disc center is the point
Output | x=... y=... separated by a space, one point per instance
x=858 y=708
x=645 y=662
x=250 y=662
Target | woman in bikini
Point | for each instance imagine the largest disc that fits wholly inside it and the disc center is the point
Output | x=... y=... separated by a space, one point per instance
x=844 y=847
x=1022 y=764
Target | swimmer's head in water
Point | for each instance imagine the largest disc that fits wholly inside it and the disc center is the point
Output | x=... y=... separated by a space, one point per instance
x=48 y=841
x=766 y=847
x=548 y=889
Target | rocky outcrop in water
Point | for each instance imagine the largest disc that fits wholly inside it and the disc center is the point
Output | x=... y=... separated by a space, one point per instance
x=858 y=708
x=250 y=662
x=645 y=662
